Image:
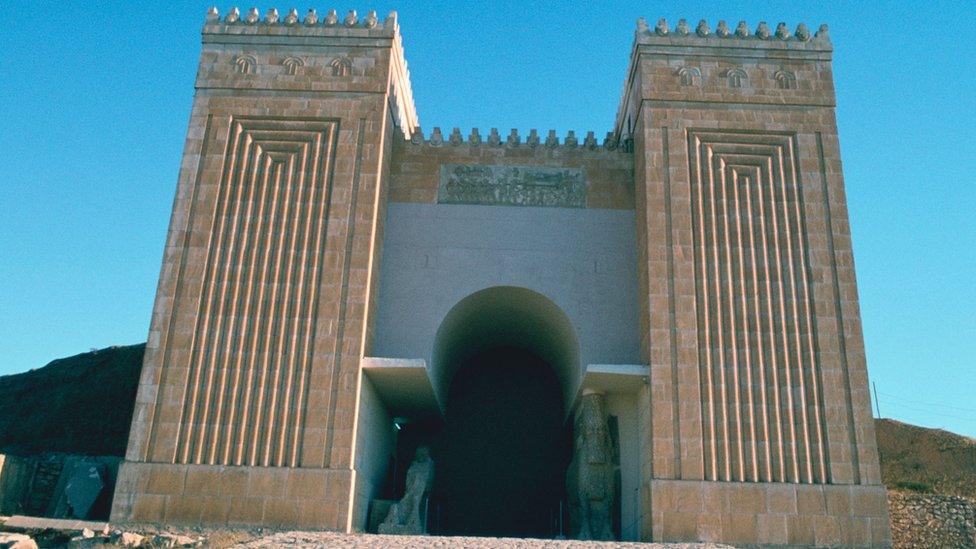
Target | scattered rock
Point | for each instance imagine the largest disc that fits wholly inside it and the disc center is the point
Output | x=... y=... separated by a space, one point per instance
x=16 y=541
x=40 y=523
x=81 y=542
x=172 y=540
x=931 y=520
x=162 y=541
x=128 y=539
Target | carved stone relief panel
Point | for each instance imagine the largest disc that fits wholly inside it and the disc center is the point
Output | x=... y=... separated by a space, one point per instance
x=512 y=186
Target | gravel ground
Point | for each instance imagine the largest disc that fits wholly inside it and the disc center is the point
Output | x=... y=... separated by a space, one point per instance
x=331 y=539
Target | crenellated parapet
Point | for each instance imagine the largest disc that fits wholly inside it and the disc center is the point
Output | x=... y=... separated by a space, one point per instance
x=763 y=36
x=314 y=52
x=533 y=140
x=741 y=64
x=272 y=22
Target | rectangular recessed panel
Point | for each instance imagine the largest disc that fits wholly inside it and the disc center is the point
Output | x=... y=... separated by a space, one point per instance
x=762 y=412
x=252 y=345
x=512 y=185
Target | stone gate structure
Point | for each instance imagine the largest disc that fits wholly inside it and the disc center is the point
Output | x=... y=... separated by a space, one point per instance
x=330 y=268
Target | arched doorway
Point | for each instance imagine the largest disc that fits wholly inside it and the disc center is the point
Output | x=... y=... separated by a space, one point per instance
x=506 y=364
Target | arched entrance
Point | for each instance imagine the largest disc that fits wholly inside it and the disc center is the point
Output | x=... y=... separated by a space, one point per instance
x=506 y=363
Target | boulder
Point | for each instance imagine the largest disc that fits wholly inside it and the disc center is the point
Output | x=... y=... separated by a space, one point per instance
x=127 y=539
x=172 y=540
x=16 y=541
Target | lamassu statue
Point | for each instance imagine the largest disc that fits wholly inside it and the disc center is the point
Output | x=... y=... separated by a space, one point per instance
x=409 y=515
x=589 y=480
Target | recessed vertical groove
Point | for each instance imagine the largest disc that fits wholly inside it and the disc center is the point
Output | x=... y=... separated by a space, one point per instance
x=672 y=328
x=318 y=170
x=811 y=324
x=265 y=389
x=839 y=314
x=757 y=348
x=234 y=286
x=761 y=366
x=299 y=230
x=215 y=334
x=736 y=389
x=251 y=353
x=701 y=283
x=743 y=298
x=720 y=325
x=180 y=281
x=344 y=291
x=288 y=451
x=205 y=317
x=244 y=417
x=281 y=385
x=222 y=439
x=774 y=363
x=787 y=187
x=279 y=402
x=784 y=331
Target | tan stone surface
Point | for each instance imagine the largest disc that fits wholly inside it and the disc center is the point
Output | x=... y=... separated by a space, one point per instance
x=755 y=425
x=330 y=539
x=415 y=167
x=756 y=354
x=769 y=513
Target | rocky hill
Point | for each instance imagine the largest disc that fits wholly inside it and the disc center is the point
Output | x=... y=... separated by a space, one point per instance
x=925 y=460
x=76 y=405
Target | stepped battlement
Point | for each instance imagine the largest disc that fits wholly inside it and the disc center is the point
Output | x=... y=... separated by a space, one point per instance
x=329 y=38
x=493 y=138
x=763 y=36
x=273 y=22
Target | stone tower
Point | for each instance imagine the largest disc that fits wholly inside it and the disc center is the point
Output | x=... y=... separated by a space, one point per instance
x=250 y=381
x=329 y=270
x=760 y=421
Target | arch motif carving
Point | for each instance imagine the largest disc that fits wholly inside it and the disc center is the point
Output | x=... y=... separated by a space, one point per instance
x=689 y=76
x=245 y=64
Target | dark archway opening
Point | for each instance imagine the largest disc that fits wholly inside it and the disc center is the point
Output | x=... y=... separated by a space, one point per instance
x=504 y=449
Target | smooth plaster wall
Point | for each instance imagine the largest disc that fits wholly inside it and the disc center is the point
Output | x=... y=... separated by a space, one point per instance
x=375 y=440
x=434 y=255
x=624 y=406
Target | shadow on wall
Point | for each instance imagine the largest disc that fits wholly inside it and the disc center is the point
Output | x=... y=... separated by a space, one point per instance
x=506 y=316
x=58 y=485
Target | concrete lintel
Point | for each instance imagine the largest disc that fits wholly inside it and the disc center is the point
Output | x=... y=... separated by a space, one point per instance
x=611 y=379
x=19 y=522
x=404 y=386
x=614 y=378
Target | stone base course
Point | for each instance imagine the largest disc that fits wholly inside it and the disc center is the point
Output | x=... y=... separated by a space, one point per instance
x=770 y=513
x=244 y=496
x=331 y=539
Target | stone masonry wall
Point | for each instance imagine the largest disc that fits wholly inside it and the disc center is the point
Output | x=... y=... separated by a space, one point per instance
x=931 y=520
x=415 y=167
x=262 y=309
x=754 y=340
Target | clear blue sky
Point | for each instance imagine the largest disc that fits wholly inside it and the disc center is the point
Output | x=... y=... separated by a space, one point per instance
x=94 y=102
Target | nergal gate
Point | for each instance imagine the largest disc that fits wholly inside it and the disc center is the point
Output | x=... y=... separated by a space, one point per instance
x=652 y=336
